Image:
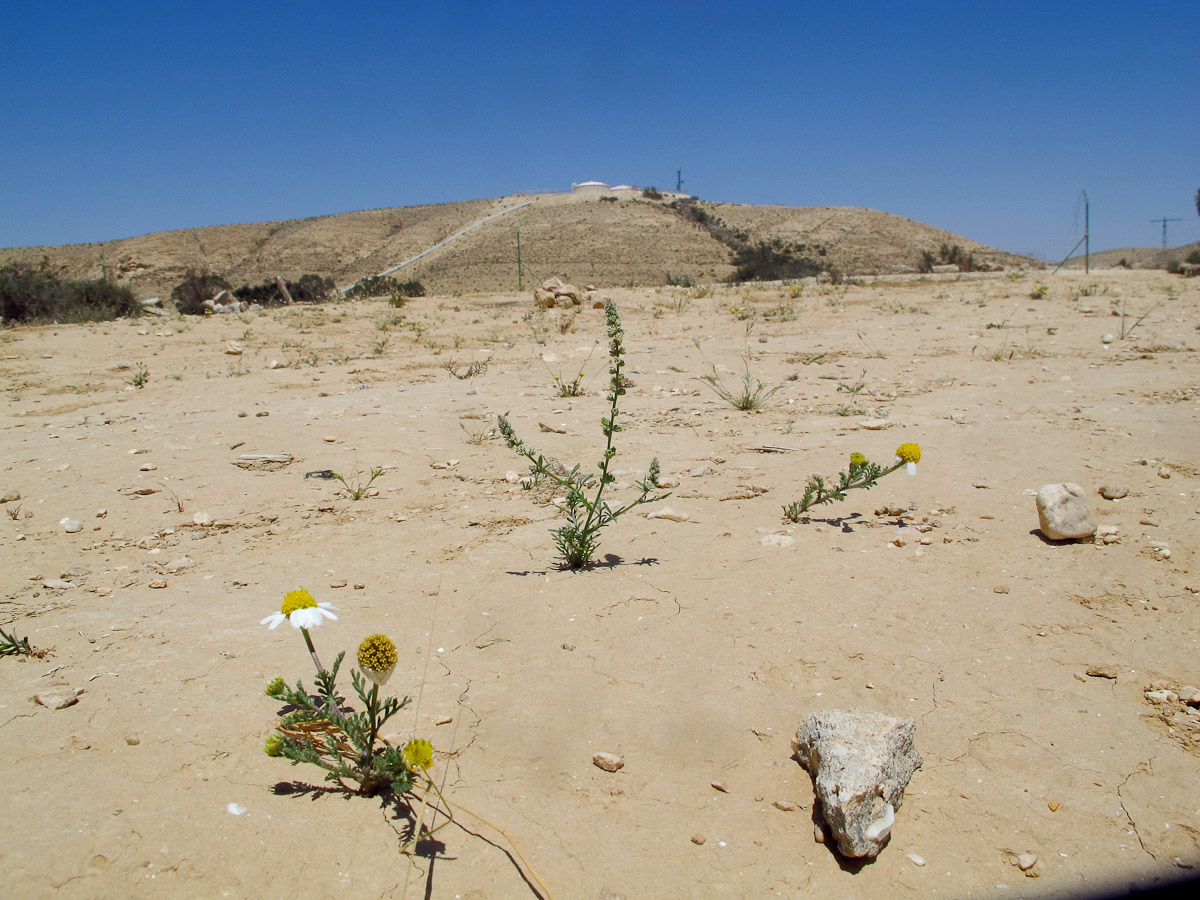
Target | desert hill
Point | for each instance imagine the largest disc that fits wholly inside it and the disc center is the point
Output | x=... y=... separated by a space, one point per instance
x=607 y=241
x=1135 y=257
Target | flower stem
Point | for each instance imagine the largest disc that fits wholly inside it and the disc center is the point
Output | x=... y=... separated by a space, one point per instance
x=312 y=650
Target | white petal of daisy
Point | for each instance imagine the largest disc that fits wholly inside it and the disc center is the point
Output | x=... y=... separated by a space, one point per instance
x=276 y=619
x=910 y=468
x=312 y=616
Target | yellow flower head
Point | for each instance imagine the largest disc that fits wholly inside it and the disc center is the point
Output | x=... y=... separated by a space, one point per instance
x=910 y=455
x=857 y=459
x=418 y=754
x=294 y=600
x=377 y=657
x=273 y=745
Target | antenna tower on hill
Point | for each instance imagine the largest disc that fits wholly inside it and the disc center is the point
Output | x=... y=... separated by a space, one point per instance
x=1164 y=221
x=1085 y=240
x=679 y=179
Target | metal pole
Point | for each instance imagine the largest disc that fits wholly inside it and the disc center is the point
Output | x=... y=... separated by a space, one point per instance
x=1087 y=244
x=519 y=224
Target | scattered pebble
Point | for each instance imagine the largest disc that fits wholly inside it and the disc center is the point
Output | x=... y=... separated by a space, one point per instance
x=698 y=840
x=57 y=584
x=568 y=646
x=720 y=786
x=1113 y=492
x=148 y=467
x=443 y=720
x=1026 y=861
x=609 y=762
x=1109 y=672
x=917 y=860
x=786 y=805
x=700 y=471
x=360 y=586
x=777 y=540
x=1164 y=472
x=1000 y=589
x=202 y=519
x=58 y=696
x=262 y=415
x=339 y=583
x=235 y=809
x=70 y=526
x=669 y=514
x=133 y=740
x=10 y=496
x=1107 y=339
x=158 y=583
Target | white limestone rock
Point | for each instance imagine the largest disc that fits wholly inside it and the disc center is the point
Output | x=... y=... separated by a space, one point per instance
x=861 y=762
x=1063 y=512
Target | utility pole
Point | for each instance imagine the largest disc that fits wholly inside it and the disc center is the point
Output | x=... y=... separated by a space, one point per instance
x=1164 y=221
x=1085 y=240
x=520 y=222
x=679 y=179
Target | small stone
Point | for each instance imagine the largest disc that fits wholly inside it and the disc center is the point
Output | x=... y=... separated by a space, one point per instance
x=1107 y=338
x=511 y=477
x=786 y=805
x=55 y=584
x=243 y=415
x=818 y=833
x=1109 y=672
x=1026 y=861
x=102 y=513
x=147 y=467
x=178 y=565
x=1149 y=523
x=1163 y=552
x=568 y=646
x=1158 y=696
x=669 y=514
x=1063 y=512
x=1164 y=472
x=58 y=696
x=330 y=439
x=698 y=840
x=917 y=860
x=133 y=740
x=80 y=572
x=700 y=471
x=360 y=586
x=233 y=348
x=777 y=540
x=609 y=762
x=261 y=415
x=70 y=526
x=1113 y=492
x=720 y=786
x=898 y=542
x=10 y=496
x=1000 y=589
x=339 y=583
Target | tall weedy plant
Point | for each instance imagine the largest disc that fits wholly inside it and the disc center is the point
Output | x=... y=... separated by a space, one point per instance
x=588 y=512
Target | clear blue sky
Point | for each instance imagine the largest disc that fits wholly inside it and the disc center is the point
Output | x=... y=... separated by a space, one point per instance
x=987 y=119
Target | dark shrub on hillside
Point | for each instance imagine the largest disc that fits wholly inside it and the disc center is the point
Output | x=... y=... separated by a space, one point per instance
x=773 y=261
x=309 y=289
x=946 y=256
x=189 y=295
x=386 y=286
x=652 y=194
x=30 y=295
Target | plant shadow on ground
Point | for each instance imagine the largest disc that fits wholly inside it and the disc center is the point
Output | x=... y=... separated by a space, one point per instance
x=840 y=522
x=611 y=561
x=402 y=812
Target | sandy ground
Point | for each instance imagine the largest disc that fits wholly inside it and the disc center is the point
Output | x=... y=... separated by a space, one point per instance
x=694 y=652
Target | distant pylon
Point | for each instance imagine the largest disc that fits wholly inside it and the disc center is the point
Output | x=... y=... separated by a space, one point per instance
x=1165 y=220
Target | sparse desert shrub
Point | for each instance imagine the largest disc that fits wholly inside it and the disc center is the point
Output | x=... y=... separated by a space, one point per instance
x=308 y=289
x=29 y=294
x=1193 y=258
x=773 y=260
x=652 y=194
x=189 y=295
x=680 y=280
x=386 y=286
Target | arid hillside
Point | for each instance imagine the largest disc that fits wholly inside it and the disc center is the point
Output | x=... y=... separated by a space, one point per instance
x=607 y=242
x=1135 y=257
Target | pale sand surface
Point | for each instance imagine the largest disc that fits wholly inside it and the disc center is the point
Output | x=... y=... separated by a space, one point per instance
x=697 y=651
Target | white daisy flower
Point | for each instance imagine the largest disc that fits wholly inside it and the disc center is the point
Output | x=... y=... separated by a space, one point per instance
x=301 y=610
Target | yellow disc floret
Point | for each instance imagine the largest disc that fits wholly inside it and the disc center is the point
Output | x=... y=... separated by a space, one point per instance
x=294 y=600
x=418 y=754
x=377 y=653
x=857 y=459
x=908 y=453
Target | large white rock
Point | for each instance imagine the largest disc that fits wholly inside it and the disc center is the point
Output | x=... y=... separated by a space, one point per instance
x=861 y=762
x=1063 y=512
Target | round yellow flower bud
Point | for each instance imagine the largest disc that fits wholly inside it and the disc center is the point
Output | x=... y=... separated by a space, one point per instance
x=377 y=657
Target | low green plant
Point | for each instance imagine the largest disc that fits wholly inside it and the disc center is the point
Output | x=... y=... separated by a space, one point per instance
x=862 y=473
x=141 y=375
x=359 y=488
x=11 y=645
x=1040 y=292
x=748 y=394
x=379 y=346
x=573 y=388
x=585 y=507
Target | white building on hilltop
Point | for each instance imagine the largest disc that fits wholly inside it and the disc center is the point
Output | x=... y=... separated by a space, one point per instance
x=589 y=187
